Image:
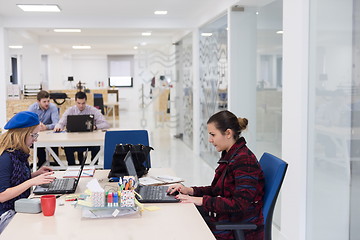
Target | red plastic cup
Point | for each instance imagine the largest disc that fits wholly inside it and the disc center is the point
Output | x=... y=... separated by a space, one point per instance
x=48 y=205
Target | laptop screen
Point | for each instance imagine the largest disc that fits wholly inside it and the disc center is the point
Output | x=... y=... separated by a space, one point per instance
x=83 y=164
x=130 y=164
x=80 y=123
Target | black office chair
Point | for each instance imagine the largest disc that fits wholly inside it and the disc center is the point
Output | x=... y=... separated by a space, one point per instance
x=274 y=170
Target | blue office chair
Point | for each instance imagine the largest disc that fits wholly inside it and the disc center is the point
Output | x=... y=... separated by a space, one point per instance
x=123 y=137
x=274 y=171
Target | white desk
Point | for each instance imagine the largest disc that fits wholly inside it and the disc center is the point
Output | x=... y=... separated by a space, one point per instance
x=173 y=221
x=50 y=139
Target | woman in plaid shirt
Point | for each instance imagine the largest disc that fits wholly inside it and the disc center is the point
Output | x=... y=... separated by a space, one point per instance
x=236 y=193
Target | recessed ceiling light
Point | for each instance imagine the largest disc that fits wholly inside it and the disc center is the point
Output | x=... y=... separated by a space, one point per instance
x=280 y=32
x=81 y=47
x=15 y=46
x=39 y=7
x=206 y=34
x=159 y=12
x=146 y=34
x=135 y=47
x=67 y=30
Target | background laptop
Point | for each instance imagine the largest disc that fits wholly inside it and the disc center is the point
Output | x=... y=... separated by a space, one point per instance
x=149 y=194
x=61 y=185
x=80 y=123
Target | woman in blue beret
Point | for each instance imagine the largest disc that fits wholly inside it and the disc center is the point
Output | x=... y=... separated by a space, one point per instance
x=16 y=178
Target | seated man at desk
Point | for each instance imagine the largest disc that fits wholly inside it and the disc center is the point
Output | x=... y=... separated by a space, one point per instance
x=48 y=115
x=81 y=108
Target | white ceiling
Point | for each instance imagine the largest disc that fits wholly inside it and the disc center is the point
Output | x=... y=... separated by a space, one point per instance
x=110 y=25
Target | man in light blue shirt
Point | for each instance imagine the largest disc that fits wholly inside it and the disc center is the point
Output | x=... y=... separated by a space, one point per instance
x=81 y=108
x=48 y=114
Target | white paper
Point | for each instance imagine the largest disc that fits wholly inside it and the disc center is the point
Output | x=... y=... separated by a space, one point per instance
x=158 y=180
x=94 y=186
x=146 y=181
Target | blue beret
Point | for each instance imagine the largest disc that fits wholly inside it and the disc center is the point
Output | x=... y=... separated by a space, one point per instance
x=22 y=120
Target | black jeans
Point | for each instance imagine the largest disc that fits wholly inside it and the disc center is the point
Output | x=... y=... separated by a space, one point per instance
x=41 y=154
x=69 y=152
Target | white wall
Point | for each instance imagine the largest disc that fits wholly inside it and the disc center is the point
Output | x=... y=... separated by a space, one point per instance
x=90 y=70
x=295 y=117
x=56 y=76
x=31 y=60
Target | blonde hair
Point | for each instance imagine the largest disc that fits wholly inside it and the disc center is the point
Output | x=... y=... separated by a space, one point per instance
x=16 y=139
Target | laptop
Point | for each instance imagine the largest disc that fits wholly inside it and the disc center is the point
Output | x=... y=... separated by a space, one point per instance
x=149 y=194
x=80 y=123
x=61 y=185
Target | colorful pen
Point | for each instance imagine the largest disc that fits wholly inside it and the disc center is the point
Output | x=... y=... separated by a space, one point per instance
x=116 y=200
x=110 y=199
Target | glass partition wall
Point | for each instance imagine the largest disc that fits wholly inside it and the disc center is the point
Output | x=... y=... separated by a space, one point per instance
x=184 y=89
x=333 y=146
x=269 y=85
x=269 y=79
x=213 y=80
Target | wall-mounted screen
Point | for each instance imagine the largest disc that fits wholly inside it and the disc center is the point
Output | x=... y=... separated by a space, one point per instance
x=124 y=81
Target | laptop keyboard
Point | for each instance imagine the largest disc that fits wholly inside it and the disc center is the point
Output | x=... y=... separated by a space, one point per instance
x=153 y=192
x=59 y=184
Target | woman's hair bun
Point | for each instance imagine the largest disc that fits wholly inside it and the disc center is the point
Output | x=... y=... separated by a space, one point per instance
x=243 y=122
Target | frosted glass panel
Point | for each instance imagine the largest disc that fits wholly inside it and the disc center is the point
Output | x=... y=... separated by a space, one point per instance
x=184 y=88
x=330 y=103
x=213 y=80
x=269 y=86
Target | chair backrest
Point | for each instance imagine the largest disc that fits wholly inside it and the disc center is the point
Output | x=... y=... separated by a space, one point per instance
x=274 y=171
x=125 y=137
x=99 y=102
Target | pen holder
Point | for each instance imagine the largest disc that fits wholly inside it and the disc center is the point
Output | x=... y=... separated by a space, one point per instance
x=127 y=198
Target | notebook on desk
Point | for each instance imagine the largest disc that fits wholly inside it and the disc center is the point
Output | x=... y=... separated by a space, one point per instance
x=149 y=194
x=61 y=185
x=80 y=123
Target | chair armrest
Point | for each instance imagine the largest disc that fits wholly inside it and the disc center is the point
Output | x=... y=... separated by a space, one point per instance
x=234 y=226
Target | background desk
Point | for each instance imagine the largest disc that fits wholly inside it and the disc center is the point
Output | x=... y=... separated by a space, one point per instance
x=111 y=107
x=173 y=221
x=50 y=139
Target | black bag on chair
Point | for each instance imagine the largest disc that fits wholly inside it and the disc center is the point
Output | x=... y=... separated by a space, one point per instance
x=140 y=156
x=56 y=96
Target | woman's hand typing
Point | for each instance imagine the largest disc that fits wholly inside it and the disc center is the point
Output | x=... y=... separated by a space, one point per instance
x=43 y=178
x=189 y=199
x=181 y=189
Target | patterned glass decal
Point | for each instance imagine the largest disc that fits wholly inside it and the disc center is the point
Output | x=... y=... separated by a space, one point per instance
x=156 y=70
x=185 y=90
x=213 y=80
